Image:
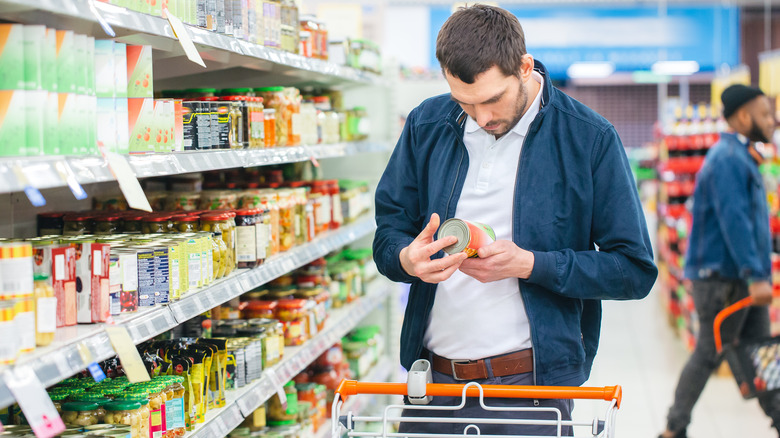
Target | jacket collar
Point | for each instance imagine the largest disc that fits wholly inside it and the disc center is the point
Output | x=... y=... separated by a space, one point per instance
x=747 y=144
x=457 y=117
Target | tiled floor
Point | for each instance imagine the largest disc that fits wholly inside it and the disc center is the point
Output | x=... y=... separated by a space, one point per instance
x=640 y=352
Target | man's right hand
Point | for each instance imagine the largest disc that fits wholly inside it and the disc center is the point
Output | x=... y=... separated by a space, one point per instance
x=761 y=292
x=416 y=258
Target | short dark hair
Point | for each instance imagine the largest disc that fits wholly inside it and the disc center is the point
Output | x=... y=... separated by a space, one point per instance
x=476 y=38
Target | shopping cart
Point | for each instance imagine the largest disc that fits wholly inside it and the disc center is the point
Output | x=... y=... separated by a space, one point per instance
x=420 y=390
x=755 y=364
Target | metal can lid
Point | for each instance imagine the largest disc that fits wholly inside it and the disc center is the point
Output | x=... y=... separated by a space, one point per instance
x=457 y=228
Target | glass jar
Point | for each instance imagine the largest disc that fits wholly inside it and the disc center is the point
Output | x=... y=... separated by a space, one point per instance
x=80 y=413
x=273 y=339
x=218 y=200
x=274 y=98
x=299 y=194
x=76 y=225
x=50 y=223
x=218 y=255
x=292 y=314
x=105 y=225
x=337 y=217
x=269 y=127
x=259 y=309
x=185 y=224
x=220 y=223
x=58 y=398
x=45 y=310
x=277 y=411
x=286 y=220
x=174 y=407
x=361 y=126
x=246 y=238
x=262 y=233
x=90 y=397
x=292 y=102
x=238 y=137
x=331 y=129
x=324 y=214
x=182 y=201
x=157 y=224
x=270 y=203
x=141 y=397
x=127 y=413
x=132 y=223
x=308 y=123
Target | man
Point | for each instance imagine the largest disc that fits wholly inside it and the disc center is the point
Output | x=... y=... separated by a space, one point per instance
x=729 y=246
x=550 y=176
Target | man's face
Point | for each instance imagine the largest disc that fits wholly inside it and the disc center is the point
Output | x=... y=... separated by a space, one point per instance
x=762 y=120
x=496 y=102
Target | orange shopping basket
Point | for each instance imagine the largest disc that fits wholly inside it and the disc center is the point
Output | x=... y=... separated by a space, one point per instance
x=419 y=390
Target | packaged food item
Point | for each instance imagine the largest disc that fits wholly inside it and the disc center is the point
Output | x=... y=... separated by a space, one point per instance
x=127 y=413
x=269 y=124
x=220 y=222
x=182 y=201
x=76 y=224
x=218 y=200
x=9 y=349
x=246 y=238
x=277 y=411
x=292 y=313
x=45 y=310
x=157 y=224
x=259 y=309
x=92 y=270
x=63 y=280
x=274 y=98
x=110 y=203
x=80 y=413
x=174 y=406
x=471 y=236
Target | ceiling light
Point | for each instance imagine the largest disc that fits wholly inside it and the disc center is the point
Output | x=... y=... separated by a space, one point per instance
x=581 y=70
x=675 y=68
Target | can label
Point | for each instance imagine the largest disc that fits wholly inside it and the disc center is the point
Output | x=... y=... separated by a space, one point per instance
x=480 y=235
x=471 y=236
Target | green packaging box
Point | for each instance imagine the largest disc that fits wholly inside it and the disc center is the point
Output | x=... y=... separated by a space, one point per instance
x=11 y=57
x=106 y=123
x=139 y=71
x=12 y=126
x=141 y=123
x=51 y=129
x=120 y=70
x=51 y=140
x=34 y=39
x=49 y=61
x=79 y=64
x=105 y=83
x=69 y=123
x=66 y=61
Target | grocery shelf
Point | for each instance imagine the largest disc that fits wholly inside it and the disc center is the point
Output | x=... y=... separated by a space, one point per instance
x=220 y=52
x=219 y=422
x=381 y=372
x=77 y=346
x=53 y=171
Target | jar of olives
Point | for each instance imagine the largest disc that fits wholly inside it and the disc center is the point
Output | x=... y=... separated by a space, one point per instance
x=132 y=222
x=127 y=413
x=141 y=397
x=92 y=397
x=183 y=223
x=157 y=224
x=80 y=413
x=220 y=222
x=76 y=225
x=108 y=224
x=222 y=253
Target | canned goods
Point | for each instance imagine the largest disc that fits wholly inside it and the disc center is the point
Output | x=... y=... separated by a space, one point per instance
x=16 y=270
x=471 y=236
x=10 y=345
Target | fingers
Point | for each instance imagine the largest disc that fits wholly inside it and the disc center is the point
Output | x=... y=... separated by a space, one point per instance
x=446 y=262
x=438 y=245
x=445 y=274
x=430 y=229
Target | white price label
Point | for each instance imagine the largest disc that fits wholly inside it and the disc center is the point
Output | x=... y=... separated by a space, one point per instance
x=184 y=39
x=35 y=402
x=128 y=183
x=276 y=384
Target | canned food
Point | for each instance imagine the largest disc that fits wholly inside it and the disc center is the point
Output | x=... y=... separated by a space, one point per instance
x=471 y=236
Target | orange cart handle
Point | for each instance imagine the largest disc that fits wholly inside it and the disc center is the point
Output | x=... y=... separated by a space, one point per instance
x=725 y=313
x=608 y=393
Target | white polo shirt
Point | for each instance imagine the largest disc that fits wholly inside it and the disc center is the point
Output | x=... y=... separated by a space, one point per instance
x=471 y=320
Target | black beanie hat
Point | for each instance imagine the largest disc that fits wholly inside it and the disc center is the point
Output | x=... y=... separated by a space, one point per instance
x=737 y=95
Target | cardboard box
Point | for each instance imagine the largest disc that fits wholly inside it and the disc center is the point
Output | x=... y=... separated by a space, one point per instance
x=63 y=282
x=105 y=68
x=66 y=61
x=128 y=265
x=92 y=272
x=107 y=123
x=12 y=57
x=36 y=96
x=120 y=70
x=141 y=123
x=146 y=271
x=122 y=125
x=51 y=139
x=68 y=113
x=139 y=71
x=13 y=130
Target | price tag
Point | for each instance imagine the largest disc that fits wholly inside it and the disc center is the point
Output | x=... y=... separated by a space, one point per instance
x=128 y=183
x=277 y=386
x=66 y=173
x=96 y=371
x=184 y=39
x=102 y=21
x=128 y=354
x=35 y=402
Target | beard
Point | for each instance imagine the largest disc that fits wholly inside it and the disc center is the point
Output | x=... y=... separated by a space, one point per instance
x=522 y=102
x=756 y=134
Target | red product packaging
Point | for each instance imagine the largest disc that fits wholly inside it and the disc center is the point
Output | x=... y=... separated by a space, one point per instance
x=64 y=284
x=92 y=282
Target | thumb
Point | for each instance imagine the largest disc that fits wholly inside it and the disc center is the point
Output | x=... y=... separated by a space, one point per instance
x=487 y=251
x=430 y=229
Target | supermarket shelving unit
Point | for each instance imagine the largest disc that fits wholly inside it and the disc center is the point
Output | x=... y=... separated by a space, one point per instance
x=230 y=63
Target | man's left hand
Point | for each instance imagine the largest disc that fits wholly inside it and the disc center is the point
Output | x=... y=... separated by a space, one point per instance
x=500 y=260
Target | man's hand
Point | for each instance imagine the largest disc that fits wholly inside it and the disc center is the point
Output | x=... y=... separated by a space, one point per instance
x=761 y=291
x=500 y=260
x=416 y=258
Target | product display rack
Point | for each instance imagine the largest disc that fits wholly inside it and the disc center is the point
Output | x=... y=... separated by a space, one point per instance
x=381 y=372
x=76 y=347
x=243 y=401
x=218 y=51
x=50 y=172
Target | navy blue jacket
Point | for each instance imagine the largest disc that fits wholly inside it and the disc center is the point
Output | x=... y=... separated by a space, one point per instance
x=730 y=235
x=573 y=190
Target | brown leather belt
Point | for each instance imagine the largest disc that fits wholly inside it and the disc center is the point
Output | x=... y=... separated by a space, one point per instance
x=513 y=363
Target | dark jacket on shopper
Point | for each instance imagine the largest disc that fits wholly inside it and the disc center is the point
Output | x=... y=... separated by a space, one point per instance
x=730 y=235
x=574 y=190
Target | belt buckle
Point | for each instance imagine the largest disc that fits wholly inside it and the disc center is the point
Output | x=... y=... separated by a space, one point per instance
x=457 y=362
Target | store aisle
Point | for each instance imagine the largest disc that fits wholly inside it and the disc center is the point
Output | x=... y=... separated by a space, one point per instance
x=640 y=352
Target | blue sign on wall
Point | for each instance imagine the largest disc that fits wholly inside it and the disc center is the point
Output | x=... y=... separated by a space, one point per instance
x=632 y=38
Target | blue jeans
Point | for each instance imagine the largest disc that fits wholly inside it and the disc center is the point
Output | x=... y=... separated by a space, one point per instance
x=474 y=410
x=710 y=297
